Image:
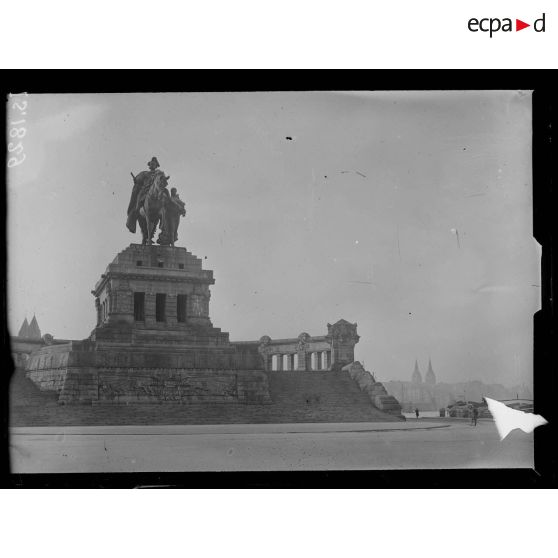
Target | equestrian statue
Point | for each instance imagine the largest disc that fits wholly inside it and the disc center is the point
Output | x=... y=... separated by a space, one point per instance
x=152 y=204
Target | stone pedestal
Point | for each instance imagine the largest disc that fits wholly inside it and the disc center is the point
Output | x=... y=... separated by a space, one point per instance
x=150 y=271
x=145 y=348
x=343 y=337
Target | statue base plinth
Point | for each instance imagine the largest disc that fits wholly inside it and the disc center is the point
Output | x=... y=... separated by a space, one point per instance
x=154 y=340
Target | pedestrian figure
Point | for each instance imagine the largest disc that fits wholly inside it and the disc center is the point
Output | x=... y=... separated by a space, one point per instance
x=475 y=416
x=417 y=412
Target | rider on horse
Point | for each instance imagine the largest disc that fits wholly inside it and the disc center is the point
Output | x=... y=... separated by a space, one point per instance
x=151 y=204
x=142 y=182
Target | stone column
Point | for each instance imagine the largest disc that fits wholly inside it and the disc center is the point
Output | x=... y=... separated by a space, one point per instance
x=118 y=307
x=198 y=309
x=291 y=362
x=308 y=361
x=98 y=310
x=264 y=351
x=279 y=362
x=150 y=309
x=109 y=298
x=170 y=309
x=343 y=337
x=123 y=305
x=193 y=307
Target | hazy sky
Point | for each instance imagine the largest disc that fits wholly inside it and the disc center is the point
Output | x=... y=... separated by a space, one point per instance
x=408 y=213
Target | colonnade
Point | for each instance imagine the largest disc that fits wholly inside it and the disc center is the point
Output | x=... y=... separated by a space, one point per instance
x=316 y=360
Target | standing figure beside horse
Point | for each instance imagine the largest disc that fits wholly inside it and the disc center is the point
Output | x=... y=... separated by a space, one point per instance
x=152 y=204
x=173 y=208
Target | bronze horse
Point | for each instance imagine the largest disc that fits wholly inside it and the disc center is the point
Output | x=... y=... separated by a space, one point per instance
x=150 y=209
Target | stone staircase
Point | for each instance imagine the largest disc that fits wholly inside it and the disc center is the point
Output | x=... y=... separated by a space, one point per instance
x=296 y=397
x=27 y=400
x=321 y=397
x=24 y=393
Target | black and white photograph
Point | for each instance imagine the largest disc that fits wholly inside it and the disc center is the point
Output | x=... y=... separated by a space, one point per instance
x=271 y=281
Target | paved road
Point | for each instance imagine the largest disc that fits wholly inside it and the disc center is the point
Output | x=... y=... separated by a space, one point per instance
x=421 y=443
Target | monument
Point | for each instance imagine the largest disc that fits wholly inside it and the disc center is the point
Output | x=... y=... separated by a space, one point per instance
x=152 y=204
x=154 y=341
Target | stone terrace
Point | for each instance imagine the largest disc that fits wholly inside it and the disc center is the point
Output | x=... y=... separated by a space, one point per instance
x=296 y=396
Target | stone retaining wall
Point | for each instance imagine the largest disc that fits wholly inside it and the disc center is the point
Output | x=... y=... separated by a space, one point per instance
x=84 y=354
x=375 y=390
x=48 y=380
x=153 y=385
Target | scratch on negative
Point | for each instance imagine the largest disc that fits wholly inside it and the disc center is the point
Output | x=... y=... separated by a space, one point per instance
x=356 y=172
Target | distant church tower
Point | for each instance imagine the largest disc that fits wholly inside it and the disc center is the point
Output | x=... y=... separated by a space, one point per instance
x=34 y=331
x=30 y=331
x=24 y=329
x=430 y=377
x=416 y=378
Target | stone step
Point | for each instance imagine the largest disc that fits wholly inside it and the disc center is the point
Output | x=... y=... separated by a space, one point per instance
x=24 y=392
x=296 y=397
x=186 y=414
x=334 y=387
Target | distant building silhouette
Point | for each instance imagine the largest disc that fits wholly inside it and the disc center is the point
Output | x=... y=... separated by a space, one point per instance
x=431 y=395
x=30 y=330
x=24 y=329
x=416 y=377
x=430 y=377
